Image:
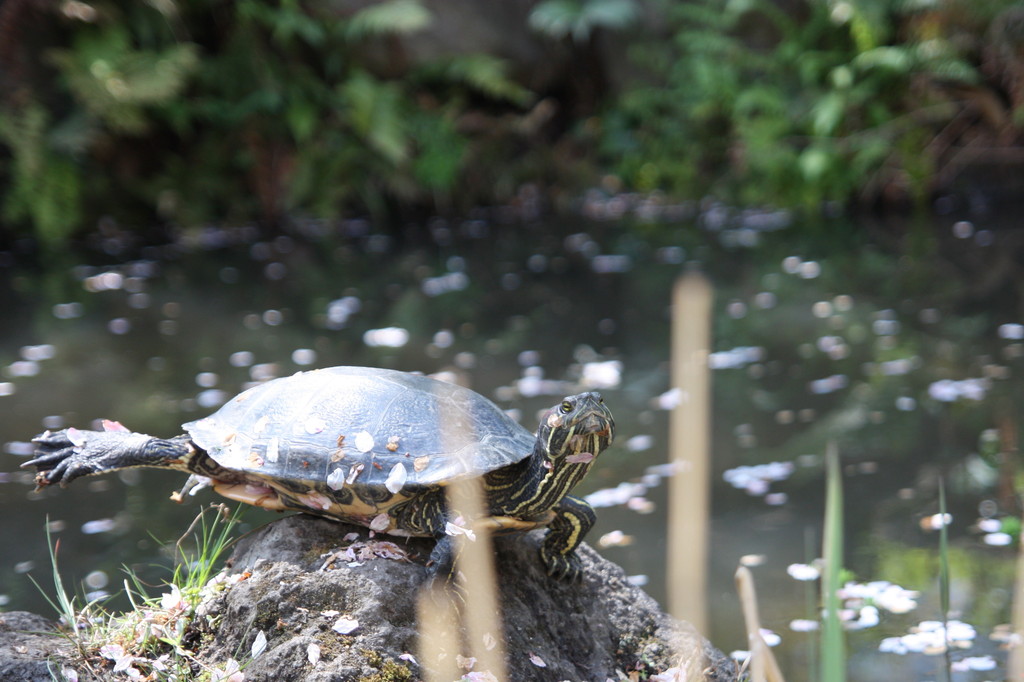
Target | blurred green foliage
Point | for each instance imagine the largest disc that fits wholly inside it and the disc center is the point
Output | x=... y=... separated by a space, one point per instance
x=839 y=99
x=187 y=111
x=191 y=111
x=578 y=19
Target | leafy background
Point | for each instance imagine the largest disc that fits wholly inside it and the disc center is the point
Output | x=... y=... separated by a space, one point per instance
x=170 y=113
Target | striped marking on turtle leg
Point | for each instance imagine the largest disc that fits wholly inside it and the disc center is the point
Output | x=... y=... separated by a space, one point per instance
x=499 y=525
x=573 y=519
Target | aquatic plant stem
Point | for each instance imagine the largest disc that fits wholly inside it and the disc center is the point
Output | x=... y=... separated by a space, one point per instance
x=763 y=665
x=1015 y=662
x=689 y=496
x=944 y=579
x=833 y=644
x=477 y=578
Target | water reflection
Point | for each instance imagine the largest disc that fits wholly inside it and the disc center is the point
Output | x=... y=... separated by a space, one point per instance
x=821 y=332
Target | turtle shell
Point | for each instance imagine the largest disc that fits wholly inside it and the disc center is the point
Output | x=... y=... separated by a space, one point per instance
x=375 y=427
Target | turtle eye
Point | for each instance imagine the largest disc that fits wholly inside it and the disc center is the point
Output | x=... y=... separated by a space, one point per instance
x=566 y=407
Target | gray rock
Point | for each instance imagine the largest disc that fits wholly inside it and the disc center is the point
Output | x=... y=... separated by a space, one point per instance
x=28 y=643
x=601 y=629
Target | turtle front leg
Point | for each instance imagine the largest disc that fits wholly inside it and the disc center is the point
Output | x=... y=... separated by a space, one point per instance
x=65 y=455
x=573 y=518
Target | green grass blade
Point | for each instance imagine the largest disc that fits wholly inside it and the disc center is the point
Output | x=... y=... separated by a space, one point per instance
x=944 y=575
x=196 y=566
x=943 y=553
x=833 y=642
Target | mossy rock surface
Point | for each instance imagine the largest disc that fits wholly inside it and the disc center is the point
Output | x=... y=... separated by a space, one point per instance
x=602 y=628
x=599 y=629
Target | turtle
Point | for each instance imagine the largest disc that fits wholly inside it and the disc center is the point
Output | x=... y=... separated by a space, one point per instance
x=374 y=447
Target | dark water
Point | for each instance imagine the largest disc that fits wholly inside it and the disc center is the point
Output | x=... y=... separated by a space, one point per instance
x=901 y=343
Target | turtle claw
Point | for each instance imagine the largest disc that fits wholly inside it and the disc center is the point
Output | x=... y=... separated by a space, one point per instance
x=52 y=468
x=564 y=567
x=47 y=460
x=66 y=469
x=54 y=438
x=54 y=459
x=51 y=456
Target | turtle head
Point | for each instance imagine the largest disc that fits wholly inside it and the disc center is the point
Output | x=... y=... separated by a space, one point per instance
x=576 y=430
x=570 y=436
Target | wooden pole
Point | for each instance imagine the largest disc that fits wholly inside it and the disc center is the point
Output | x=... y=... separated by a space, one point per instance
x=478 y=617
x=474 y=563
x=689 y=424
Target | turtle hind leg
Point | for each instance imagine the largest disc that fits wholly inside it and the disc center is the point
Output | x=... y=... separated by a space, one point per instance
x=441 y=564
x=63 y=456
x=426 y=515
x=573 y=518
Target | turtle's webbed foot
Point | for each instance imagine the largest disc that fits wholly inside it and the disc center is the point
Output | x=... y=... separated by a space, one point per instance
x=561 y=566
x=62 y=456
x=58 y=458
x=573 y=518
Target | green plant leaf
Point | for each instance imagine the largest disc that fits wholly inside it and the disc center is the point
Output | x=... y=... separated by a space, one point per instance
x=576 y=19
x=373 y=109
x=389 y=18
x=833 y=643
x=555 y=18
x=899 y=59
x=114 y=81
x=486 y=74
x=442 y=149
x=302 y=117
x=814 y=163
x=827 y=114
